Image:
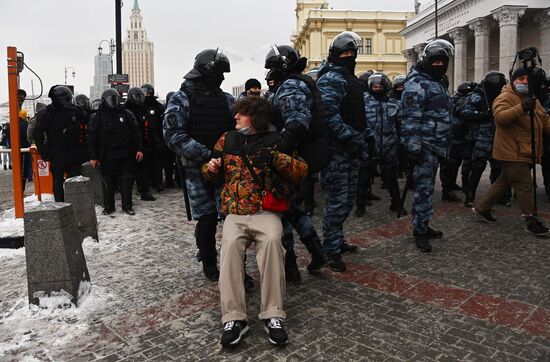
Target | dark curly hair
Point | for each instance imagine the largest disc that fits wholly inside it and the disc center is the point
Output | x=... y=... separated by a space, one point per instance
x=258 y=109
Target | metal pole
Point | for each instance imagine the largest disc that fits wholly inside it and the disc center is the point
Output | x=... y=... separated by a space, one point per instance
x=65 y=75
x=436 y=19
x=118 y=26
x=34 y=100
x=15 y=145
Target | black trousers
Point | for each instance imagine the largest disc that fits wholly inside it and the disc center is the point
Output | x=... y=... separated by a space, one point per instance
x=117 y=170
x=59 y=167
x=143 y=169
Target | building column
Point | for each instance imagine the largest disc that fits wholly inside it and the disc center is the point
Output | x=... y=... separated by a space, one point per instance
x=460 y=39
x=481 y=27
x=507 y=17
x=543 y=19
x=411 y=56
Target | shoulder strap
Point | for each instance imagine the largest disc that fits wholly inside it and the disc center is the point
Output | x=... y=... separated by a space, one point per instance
x=251 y=169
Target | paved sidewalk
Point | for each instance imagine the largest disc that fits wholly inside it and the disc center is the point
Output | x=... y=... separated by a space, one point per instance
x=483 y=294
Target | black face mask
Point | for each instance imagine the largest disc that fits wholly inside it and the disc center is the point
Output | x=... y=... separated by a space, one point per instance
x=437 y=71
x=398 y=92
x=347 y=63
x=66 y=102
x=214 y=80
x=378 y=95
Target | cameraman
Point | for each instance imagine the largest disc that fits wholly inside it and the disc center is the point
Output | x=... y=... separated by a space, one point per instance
x=512 y=146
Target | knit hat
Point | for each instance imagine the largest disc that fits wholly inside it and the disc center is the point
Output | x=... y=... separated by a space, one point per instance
x=520 y=72
x=252 y=83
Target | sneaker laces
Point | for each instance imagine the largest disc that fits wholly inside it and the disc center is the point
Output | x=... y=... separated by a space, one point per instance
x=275 y=323
x=229 y=326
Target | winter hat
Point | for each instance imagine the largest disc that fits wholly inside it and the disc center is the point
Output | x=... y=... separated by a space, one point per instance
x=520 y=72
x=252 y=83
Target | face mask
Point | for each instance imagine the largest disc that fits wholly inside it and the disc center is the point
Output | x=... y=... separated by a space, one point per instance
x=522 y=88
x=378 y=95
x=246 y=130
x=214 y=80
x=348 y=63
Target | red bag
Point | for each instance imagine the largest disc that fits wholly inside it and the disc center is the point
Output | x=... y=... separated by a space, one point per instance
x=272 y=203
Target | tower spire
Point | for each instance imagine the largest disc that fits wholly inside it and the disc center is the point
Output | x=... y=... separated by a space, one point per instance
x=136 y=6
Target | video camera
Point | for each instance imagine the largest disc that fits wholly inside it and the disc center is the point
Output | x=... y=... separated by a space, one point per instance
x=538 y=84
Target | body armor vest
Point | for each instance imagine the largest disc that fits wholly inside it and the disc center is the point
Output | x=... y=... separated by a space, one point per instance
x=353 y=105
x=209 y=115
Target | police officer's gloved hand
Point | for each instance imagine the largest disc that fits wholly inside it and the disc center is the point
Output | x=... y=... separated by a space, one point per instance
x=528 y=104
x=352 y=148
x=372 y=147
x=264 y=157
x=414 y=157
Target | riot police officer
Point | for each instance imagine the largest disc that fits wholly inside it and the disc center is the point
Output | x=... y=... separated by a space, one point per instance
x=83 y=102
x=342 y=96
x=114 y=143
x=196 y=116
x=478 y=114
x=426 y=131
x=300 y=116
x=153 y=113
x=397 y=88
x=149 y=138
x=58 y=137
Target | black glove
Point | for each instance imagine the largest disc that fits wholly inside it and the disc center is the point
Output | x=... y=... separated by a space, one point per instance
x=352 y=148
x=414 y=157
x=372 y=148
x=528 y=104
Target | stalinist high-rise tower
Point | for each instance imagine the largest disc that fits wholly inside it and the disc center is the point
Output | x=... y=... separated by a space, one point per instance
x=137 y=52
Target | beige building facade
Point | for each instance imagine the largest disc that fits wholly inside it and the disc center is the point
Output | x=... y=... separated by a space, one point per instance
x=138 y=55
x=382 y=44
x=486 y=34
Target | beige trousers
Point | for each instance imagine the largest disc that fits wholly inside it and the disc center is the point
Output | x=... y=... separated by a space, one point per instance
x=239 y=231
x=516 y=175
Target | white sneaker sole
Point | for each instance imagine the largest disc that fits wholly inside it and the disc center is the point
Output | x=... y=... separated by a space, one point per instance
x=272 y=341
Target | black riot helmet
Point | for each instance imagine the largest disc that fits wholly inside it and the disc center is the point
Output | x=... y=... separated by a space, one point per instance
x=212 y=61
x=148 y=90
x=284 y=60
x=168 y=96
x=83 y=102
x=399 y=82
x=378 y=79
x=136 y=95
x=364 y=78
x=62 y=96
x=344 y=41
x=438 y=49
x=466 y=88
x=492 y=84
x=110 y=98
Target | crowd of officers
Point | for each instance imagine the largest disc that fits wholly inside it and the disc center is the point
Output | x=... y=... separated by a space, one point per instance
x=123 y=141
x=346 y=129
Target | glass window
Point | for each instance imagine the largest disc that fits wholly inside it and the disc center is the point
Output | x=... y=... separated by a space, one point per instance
x=368 y=45
x=360 y=49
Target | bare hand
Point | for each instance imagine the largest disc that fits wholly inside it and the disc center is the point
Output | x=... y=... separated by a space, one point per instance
x=94 y=163
x=139 y=156
x=214 y=165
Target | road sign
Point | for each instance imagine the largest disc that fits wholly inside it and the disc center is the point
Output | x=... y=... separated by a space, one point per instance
x=120 y=87
x=117 y=78
x=43 y=168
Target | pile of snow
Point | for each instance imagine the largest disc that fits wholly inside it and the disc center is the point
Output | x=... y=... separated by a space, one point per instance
x=55 y=319
x=10 y=226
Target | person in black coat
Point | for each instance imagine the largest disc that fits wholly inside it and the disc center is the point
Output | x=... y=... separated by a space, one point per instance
x=57 y=136
x=114 y=142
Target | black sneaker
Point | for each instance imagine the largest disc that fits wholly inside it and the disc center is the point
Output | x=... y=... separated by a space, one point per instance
x=108 y=211
x=275 y=331
x=537 y=228
x=485 y=215
x=450 y=196
x=348 y=248
x=211 y=272
x=336 y=263
x=233 y=331
x=422 y=243
x=130 y=211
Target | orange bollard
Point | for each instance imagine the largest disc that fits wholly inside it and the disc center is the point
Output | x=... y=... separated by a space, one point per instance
x=43 y=178
x=15 y=144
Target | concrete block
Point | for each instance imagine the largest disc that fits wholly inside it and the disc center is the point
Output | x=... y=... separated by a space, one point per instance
x=96 y=184
x=78 y=193
x=54 y=255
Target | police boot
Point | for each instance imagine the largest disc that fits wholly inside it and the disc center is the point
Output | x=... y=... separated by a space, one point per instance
x=147 y=196
x=395 y=204
x=422 y=243
x=318 y=257
x=205 y=234
x=469 y=200
x=292 y=272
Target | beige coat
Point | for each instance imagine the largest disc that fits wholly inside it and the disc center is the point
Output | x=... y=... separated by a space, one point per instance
x=513 y=128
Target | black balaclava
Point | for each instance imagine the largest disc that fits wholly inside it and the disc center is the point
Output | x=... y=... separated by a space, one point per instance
x=347 y=63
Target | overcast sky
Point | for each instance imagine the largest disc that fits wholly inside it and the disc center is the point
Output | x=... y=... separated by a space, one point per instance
x=58 y=33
